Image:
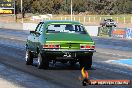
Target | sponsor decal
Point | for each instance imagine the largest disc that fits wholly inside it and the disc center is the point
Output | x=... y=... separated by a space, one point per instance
x=6 y=3
x=87 y=81
x=7 y=6
x=129 y=33
x=6 y=11
x=119 y=33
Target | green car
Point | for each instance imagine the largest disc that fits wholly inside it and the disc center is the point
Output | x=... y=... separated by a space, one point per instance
x=63 y=41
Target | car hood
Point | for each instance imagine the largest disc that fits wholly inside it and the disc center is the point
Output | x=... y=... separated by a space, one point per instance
x=68 y=37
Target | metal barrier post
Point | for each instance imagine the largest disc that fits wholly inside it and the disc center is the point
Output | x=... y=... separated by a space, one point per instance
x=131 y=20
x=74 y=18
x=84 y=19
x=94 y=20
x=89 y=19
x=61 y=18
x=117 y=19
x=79 y=19
x=124 y=20
x=65 y=18
x=100 y=18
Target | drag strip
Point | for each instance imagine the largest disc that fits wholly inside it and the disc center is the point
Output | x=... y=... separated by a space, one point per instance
x=12 y=54
x=18 y=79
x=61 y=75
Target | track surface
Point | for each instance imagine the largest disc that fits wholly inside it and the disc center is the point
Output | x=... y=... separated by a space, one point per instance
x=12 y=54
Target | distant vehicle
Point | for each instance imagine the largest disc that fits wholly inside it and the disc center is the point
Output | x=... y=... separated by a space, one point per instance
x=108 y=23
x=64 y=41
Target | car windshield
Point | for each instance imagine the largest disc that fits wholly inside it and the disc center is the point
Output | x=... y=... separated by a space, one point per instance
x=110 y=20
x=65 y=28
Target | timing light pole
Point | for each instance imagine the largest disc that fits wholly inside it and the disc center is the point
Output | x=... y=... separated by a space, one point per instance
x=71 y=10
x=22 y=9
x=15 y=16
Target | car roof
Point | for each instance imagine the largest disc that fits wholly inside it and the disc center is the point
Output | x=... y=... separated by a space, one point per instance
x=108 y=19
x=61 y=22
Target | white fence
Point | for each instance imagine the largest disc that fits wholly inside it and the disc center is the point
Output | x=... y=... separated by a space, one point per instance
x=87 y=19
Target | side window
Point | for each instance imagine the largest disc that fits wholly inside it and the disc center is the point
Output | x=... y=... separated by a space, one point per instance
x=78 y=28
x=38 y=27
x=41 y=28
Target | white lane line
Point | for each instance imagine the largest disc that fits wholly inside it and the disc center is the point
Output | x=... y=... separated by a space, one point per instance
x=113 y=70
x=121 y=64
x=12 y=38
x=115 y=54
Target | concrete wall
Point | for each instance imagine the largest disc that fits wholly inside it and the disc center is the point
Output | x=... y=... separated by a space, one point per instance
x=29 y=26
x=13 y=25
x=92 y=30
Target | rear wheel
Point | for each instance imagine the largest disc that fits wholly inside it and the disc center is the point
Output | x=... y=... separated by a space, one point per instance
x=43 y=62
x=29 y=57
x=72 y=62
x=86 y=62
x=63 y=61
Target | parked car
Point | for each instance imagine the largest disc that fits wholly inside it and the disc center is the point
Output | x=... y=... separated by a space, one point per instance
x=108 y=23
x=64 y=41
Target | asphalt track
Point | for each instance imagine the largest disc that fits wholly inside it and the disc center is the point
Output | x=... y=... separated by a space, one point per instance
x=12 y=54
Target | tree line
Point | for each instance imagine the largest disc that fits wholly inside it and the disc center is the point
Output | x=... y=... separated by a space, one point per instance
x=79 y=6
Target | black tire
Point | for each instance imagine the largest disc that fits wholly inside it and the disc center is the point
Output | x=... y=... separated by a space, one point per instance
x=29 y=57
x=43 y=62
x=63 y=61
x=72 y=62
x=86 y=62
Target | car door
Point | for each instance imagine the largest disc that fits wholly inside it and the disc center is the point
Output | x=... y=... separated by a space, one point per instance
x=37 y=35
x=30 y=41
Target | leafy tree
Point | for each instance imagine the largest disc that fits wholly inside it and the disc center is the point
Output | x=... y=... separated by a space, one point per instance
x=123 y=6
x=26 y=6
x=63 y=6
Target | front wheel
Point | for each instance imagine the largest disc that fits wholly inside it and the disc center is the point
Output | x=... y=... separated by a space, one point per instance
x=29 y=57
x=43 y=62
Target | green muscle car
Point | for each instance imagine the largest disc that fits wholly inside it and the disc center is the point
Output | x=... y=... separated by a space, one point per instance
x=63 y=41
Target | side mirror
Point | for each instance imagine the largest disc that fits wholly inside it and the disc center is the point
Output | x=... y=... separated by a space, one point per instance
x=32 y=32
x=37 y=33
